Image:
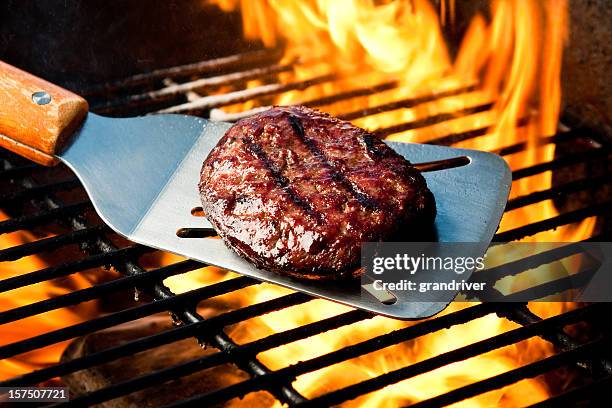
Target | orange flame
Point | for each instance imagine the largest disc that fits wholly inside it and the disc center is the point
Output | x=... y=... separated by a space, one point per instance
x=39 y=324
x=514 y=58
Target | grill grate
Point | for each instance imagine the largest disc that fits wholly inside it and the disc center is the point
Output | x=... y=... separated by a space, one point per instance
x=33 y=204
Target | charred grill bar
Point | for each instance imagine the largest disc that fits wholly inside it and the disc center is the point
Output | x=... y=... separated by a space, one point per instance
x=32 y=204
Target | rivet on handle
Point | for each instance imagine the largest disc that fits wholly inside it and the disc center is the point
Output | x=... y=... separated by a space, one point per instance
x=41 y=98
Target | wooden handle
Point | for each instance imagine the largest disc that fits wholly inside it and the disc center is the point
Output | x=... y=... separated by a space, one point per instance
x=36 y=117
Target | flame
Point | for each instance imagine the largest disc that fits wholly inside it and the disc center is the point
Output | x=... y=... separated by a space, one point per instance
x=405 y=354
x=514 y=59
x=39 y=324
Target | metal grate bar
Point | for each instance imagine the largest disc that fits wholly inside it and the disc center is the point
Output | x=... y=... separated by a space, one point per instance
x=554 y=222
x=284 y=393
x=215 y=101
x=462 y=353
x=161 y=376
x=431 y=120
x=29 y=221
x=531 y=262
x=405 y=103
x=542 y=141
x=560 y=162
x=513 y=376
x=211 y=330
x=202 y=67
x=540 y=291
x=130 y=314
x=191 y=330
x=174 y=90
x=49 y=244
x=84 y=295
x=523 y=316
x=571 y=187
x=38 y=191
x=595 y=392
x=365 y=347
x=453 y=138
x=252 y=348
x=220 y=115
x=69 y=268
x=305 y=331
x=353 y=93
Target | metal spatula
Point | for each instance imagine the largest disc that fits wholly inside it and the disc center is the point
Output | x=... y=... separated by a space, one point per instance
x=142 y=174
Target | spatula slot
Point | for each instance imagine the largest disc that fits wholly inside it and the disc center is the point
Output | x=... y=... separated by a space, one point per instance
x=443 y=164
x=197 y=212
x=383 y=296
x=196 y=233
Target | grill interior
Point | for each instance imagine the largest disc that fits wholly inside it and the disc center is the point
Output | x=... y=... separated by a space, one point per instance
x=63 y=230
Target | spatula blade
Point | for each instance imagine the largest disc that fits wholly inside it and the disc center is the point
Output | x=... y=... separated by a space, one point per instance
x=124 y=163
x=142 y=176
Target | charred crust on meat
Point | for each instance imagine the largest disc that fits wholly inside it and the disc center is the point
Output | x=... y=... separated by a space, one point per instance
x=281 y=180
x=336 y=172
x=306 y=190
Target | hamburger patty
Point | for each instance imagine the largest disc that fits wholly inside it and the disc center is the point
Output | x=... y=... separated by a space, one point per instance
x=296 y=191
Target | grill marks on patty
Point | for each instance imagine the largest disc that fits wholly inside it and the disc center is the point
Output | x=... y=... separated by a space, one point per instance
x=279 y=178
x=296 y=191
x=302 y=169
x=337 y=174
